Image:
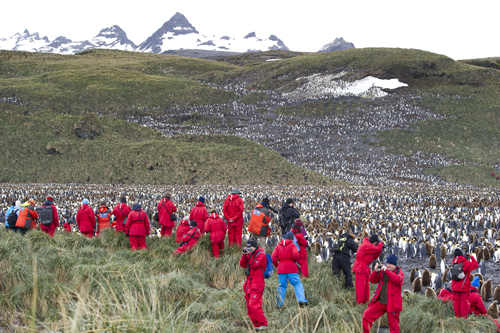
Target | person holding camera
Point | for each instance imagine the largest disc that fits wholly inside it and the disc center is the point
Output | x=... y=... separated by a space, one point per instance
x=254 y=262
x=387 y=297
x=368 y=251
x=288 y=214
x=285 y=256
x=166 y=210
x=342 y=258
x=461 y=287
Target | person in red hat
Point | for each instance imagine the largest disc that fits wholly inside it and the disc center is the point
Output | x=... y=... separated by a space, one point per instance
x=217 y=228
x=121 y=212
x=166 y=209
x=50 y=228
x=137 y=228
x=233 y=213
x=297 y=232
x=199 y=214
x=368 y=251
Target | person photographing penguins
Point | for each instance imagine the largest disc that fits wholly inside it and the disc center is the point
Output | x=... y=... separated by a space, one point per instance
x=342 y=259
x=460 y=270
x=254 y=261
x=387 y=297
x=368 y=251
x=288 y=214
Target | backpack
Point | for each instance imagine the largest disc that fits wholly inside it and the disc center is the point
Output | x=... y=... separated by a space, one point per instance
x=338 y=246
x=12 y=218
x=45 y=213
x=282 y=217
x=268 y=272
x=457 y=271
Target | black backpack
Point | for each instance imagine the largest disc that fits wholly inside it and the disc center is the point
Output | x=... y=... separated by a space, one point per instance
x=12 y=218
x=338 y=246
x=45 y=215
x=457 y=271
x=283 y=220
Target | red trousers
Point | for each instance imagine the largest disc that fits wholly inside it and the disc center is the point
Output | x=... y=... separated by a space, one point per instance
x=137 y=242
x=461 y=304
x=166 y=231
x=88 y=234
x=362 y=285
x=254 y=309
x=216 y=247
x=234 y=234
x=304 y=269
x=49 y=231
x=375 y=311
x=182 y=249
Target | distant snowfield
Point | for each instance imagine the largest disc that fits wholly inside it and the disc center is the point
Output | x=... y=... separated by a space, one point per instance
x=331 y=86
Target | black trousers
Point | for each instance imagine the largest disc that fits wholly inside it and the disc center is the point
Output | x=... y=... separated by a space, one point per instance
x=341 y=261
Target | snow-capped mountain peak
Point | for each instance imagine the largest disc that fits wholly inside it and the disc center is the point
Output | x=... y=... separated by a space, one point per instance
x=338 y=44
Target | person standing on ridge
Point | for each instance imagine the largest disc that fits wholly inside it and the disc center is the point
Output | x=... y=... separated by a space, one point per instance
x=53 y=216
x=297 y=232
x=233 y=213
x=259 y=225
x=85 y=219
x=137 y=228
x=103 y=216
x=217 y=228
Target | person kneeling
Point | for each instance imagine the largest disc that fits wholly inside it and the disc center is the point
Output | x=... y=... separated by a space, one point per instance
x=137 y=228
x=387 y=297
x=190 y=238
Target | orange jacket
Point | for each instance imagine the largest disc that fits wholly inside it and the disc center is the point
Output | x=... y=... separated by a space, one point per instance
x=259 y=221
x=27 y=217
x=103 y=215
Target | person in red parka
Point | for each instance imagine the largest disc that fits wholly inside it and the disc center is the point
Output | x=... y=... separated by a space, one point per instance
x=189 y=239
x=217 y=229
x=461 y=289
x=199 y=214
x=67 y=225
x=233 y=213
x=85 y=219
x=368 y=251
x=297 y=231
x=182 y=228
x=446 y=295
x=165 y=208
x=476 y=302
x=120 y=212
x=51 y=228
x=137 y=228
x=254 y=262
x=285 y=257
x=387 y=297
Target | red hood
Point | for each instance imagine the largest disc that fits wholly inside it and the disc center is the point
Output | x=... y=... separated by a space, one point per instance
x=184 y=222
x=199 y=203
x=214 y=216
x=233 y=196
x=459 y=259
x=102 y=209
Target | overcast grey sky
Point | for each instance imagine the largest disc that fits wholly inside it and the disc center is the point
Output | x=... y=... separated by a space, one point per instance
x=460 y=30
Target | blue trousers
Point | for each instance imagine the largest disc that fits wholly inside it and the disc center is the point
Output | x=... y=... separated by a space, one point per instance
x=294 y=279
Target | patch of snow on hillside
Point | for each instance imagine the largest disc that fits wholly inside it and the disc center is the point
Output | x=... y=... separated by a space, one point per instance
x=322 y=86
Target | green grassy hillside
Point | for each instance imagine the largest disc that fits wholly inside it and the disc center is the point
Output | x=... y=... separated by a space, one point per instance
x=43 y=146
x=69 y=283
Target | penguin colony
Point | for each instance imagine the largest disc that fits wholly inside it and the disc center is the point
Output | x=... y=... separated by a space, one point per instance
x=336 y=144
x=425 y=223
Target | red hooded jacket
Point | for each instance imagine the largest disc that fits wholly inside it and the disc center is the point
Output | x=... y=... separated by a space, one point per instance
x=199 y=214
x=476 y=303
x=165 y=208
x=85 y=219
x=216 y=227
x=396 y=279
x=182 y=228
x=367 y=252
x=468 y=266
x=233 y=209
x=120 y=212
x=257 y=262
x=446 y=296
x=302 y=243
x=191 y=237
x=137 y=223
x=285 y=257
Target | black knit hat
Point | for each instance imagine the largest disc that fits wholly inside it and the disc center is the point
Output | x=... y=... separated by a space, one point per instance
x=252 y=243
x=458 y=252
x=374 y=239
x=193 y=223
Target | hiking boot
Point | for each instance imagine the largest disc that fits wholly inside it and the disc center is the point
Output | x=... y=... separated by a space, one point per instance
x=303 y=304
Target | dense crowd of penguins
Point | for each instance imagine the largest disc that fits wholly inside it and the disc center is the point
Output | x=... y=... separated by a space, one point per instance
x=338 y=145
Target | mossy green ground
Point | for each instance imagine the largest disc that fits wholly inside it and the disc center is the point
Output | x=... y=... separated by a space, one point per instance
x=69 y=283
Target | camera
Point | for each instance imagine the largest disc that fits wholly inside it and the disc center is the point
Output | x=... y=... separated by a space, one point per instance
x=247 y=250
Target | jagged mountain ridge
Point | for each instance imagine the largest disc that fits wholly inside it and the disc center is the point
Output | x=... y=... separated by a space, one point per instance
x=175 y=34
x=338 y=44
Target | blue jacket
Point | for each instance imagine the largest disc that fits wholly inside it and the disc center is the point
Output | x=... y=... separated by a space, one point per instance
x=11 y=208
